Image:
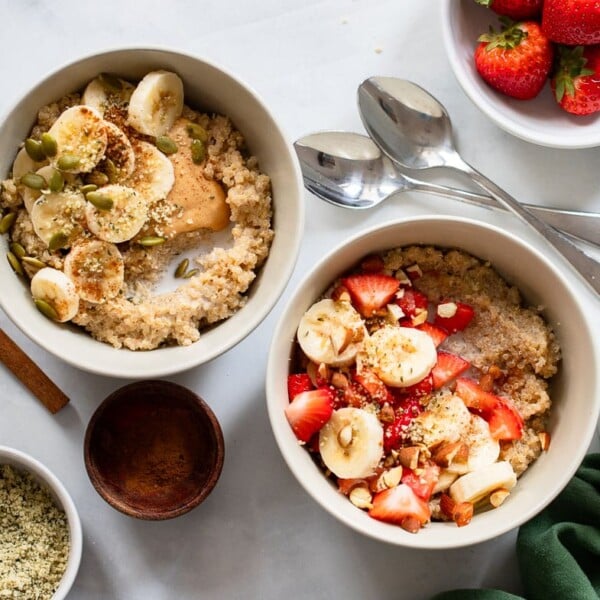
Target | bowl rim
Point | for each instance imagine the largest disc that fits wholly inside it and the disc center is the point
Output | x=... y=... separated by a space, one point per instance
x=128 y=366
x=448 y=10
x=191 y=399
x=41 y=472
x=288 y=447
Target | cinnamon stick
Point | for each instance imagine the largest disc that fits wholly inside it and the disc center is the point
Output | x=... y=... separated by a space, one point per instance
x=31 y=375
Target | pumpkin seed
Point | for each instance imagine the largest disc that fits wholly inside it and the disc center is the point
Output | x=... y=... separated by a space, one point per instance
x=67 y=162
x=110 y=81
x=46 y=309
x=97 y=178
x=99 y=200
x=57 y=241
x=190 y=274
x=87 y=188
x=57 y=182
x=182 y=267
x=166 y=145
x=198 y=151
x=151 y=241
x=33 y=181
x=17 y=250
x=33 y=262
x=13 y=261
x=34 y=150
x=6 y=222
x=49 y=145
x=111 y=171
x=196 y=132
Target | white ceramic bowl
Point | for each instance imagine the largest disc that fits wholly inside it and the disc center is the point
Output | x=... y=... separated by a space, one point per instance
x=540 y=120
x=210 y=88
x=576 y=390
x=23 y=462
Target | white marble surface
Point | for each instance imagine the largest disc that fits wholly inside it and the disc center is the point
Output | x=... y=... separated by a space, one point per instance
x=259 y=535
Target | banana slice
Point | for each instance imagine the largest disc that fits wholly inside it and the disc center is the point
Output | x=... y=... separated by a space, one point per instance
x=56 y=289
x=100 y=94
x=476 y=485
x=96 y=268
x=153 y=176
x=121 y=222
x=400 y=356
x=80 y=134
x=25 y=164
x=331 y=332
x=156 y=103
x=58 y=213
x=351 y=443
x=445 y=480
x=120 y=151
x=483 y=448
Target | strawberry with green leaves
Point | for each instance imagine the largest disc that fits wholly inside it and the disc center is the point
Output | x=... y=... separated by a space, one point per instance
x=517 y=60
x=576 y=80
x=572 y=22
x=515 y=9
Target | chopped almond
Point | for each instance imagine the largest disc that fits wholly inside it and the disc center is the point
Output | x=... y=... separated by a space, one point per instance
x=544 y=438
x=463 y=513
x=339 y=380
x=498 y=497
x=409 y=457
x=449 y=452
x=361 y=497
x=324 y=372
x=410 y=524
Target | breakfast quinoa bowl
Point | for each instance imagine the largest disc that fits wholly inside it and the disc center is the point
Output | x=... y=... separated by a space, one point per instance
x=419 y=384
x=123 y=185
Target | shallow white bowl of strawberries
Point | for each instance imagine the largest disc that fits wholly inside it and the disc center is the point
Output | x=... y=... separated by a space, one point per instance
x=532 y=66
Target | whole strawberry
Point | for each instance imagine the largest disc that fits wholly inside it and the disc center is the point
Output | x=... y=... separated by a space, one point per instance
x=576 y=81
x=572 y=22
x=515 y=9
x=517 y=60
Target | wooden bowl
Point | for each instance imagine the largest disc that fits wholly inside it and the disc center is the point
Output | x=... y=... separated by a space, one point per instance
x=154 y=450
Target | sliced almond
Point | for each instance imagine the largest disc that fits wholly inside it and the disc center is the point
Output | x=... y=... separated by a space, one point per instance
x=361 y=497
x=409 y=457
x=324 y=372
x=498 y=497
x=447 y=310
x=392 y=477
x=544 y=438
x=419 y=318
x=387 y=414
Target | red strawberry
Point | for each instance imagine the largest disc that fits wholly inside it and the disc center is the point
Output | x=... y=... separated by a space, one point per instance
x=515 y=61
x=298 y=383
x=417 y=390
x=576 y=82
x=376 y=388
x=412 y=302
x=370 y=292
x=394 y=432
x=505 y=422
x=448 y=367
x=372 y=263
x=458 y=321
x=423 y=482
x=515 y=9
x=437 y=334
x=572 y=22
x=476 y=398
x=309 y=411
x=401 y=506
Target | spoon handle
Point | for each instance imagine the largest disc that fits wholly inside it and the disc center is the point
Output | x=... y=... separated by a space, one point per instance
x=586 y=266
x=580 y=224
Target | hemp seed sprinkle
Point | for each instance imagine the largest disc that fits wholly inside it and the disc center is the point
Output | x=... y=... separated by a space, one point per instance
x=34 y=538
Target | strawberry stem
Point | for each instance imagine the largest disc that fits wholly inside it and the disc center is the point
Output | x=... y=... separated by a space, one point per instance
x=509 y=36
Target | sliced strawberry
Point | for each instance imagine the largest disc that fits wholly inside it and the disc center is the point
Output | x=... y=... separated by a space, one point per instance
x=401 y=506
x=298 y=383
x=355 y=395
x=417 y=390
x=412 y=301
x=378 y=391
x=394 y=433
x=476 y=398
x=505 y=422
x=370 y=292
x=448 y=367
x=422 y=484
x=372 y=263
x=437 y=334
x=309 y=411
x=459 y=321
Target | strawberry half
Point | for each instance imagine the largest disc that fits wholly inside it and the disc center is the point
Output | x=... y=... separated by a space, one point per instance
x=422 y=483
x=309 y=411
x=576 y=82
x=373 y=385
x=448 y=367
x=505 y=422
x=475 y=398
x=572 y=22
x=437 y=334
x=458 y=321
x=517 y=60
x=371 y=291
x=394 y=433
x=298 y=383
x=412 y=302
x=417 y=390
x=401 y=506
x=515 y=9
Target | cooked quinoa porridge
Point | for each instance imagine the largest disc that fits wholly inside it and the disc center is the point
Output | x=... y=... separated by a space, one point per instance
x=420 y=385
x=123 y=185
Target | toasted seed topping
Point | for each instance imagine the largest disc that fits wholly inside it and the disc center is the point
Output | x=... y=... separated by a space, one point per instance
x=33 y=181
x=34 y=150
x=182 y=268
x=46 y=309
x=68 y=161
x=57 y=182
x=151 y=241
x=13 y=261
x=166 y=145
x=198 y=151
x=6 y=222
x=57 y=241
x=99 y=200
x=49 y=145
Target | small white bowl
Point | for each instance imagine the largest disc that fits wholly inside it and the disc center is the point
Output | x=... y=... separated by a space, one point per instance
x=24 y=462
x=210 y=88
x=540 y=121
x=575 y=390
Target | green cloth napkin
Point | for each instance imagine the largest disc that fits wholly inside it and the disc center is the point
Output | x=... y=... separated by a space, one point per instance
x=559 y=550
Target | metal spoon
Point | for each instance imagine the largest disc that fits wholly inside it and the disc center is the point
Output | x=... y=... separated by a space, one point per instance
x=415 y=131
x=348 y=169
